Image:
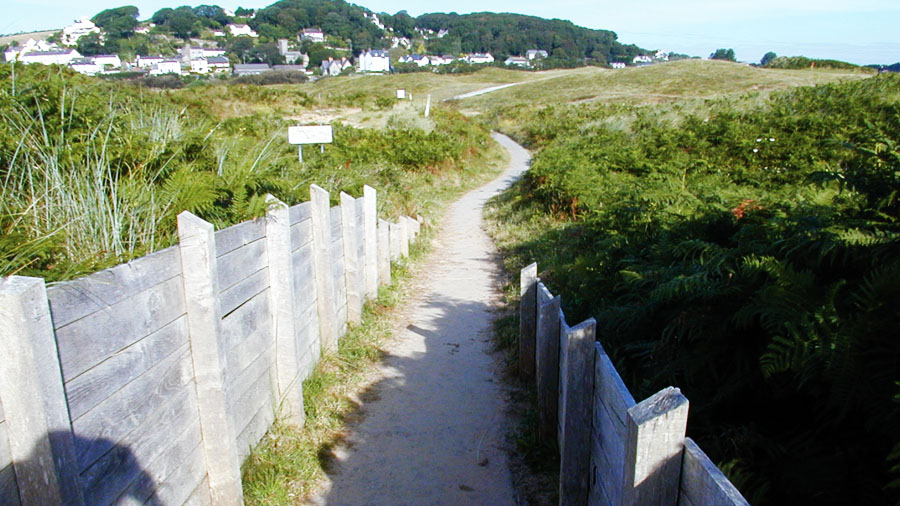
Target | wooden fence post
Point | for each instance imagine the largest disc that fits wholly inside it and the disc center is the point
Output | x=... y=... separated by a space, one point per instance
x=197 y=244
x=325 y=294
x=41 y=443
x=653 y=449
x=353 y=274
x=281 y=284
x=370 y=244
x=404 y=236
x=547 y=363
x=384 y=252
x=527 y=319
x=576 y=377
x=395 y=239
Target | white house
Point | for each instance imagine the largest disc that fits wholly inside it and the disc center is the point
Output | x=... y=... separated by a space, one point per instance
x=11 y=54
x=237 y=30
x=312 y=35
x=199 y=66
x=108 y=59
x=661 y=55
x=30 y=46
x=440 y=60
x=62 y=57
x=442 y=33
x=251 y=69
x=418 y=59
x=642 y=58
x=375 y=60
x=374 y=19
x=80 y=28
x=86 y=66
x=332 y=67
x=480 y=58
x=166 y=67
x=617 y=65
x=400 y=41
x=518 y=61
x=209 y=52
x=146 y=62
x=218 y=64
x=532 y=54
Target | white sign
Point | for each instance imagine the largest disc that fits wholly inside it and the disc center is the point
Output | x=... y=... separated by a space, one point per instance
x=401 y=93
x=318 y=134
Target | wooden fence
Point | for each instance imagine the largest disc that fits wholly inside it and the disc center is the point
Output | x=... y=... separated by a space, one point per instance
x=613 y=451
x=151 y=381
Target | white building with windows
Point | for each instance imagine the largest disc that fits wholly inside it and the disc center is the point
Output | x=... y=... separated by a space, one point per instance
x=375 y=60
x=312 y=35
x=166 y=67
x=112 y=60
x=480 y=58
x=517 y=61
x=60 y=57
x=238 y=30
x=80 y=28
x=418 y=59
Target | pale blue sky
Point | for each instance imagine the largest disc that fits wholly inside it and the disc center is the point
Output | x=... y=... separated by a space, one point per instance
x=858 y=31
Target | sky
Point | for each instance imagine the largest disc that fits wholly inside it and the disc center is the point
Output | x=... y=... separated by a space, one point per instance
x=857 y=31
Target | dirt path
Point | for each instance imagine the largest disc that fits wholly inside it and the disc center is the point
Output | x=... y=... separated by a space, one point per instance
x=433 y=423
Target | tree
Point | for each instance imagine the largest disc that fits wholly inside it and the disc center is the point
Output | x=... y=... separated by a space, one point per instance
x=119 y=23
x=242 y=12
x=767 y=58
x=723 y=54
x=89 y=45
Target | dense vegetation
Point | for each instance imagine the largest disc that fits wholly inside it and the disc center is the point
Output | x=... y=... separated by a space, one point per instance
x=744 y=250
x=802 y=62
x=93 y=173
x=513 y=34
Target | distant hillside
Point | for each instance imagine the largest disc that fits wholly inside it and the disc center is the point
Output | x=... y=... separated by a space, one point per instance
x=802 y=62
x=500 y=34
x=512 y=34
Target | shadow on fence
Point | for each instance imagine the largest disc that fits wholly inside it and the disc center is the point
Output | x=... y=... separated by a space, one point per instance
x=613 y=451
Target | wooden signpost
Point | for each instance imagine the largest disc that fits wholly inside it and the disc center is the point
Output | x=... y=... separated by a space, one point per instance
x=316 y=134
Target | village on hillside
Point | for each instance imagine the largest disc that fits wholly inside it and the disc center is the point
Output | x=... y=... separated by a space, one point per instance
x=208 y=56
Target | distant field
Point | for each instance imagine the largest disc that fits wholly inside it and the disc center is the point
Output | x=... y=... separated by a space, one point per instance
x=22 y=37
x=656 y=83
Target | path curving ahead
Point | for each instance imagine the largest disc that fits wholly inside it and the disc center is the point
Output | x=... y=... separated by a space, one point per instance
x=433 y=423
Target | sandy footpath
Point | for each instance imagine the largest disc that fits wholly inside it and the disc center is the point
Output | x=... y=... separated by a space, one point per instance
x=431 y=426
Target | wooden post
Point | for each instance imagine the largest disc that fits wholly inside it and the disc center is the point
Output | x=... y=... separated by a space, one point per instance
x=370 y=244
x=384 y=252
x=395 y=241
x=404 y=236
x=41 y=443
x=704 y=483
x=547 y=363
x=197 y=244
x=281 y=284
x=321 y=227
x=527 y=319
x=353 y=275
x=653 y=449
x=577 y=389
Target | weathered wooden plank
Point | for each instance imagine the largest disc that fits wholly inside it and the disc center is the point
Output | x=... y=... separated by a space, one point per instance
x=608 y=452
x=169 y=479
x=108 y=477
x=653 y=449
x=301 y=234
x=303 y=263
x=324 y=279
x=72 y=300
x=245 y=381
x=240 y=263
x=255 y=430
x=258 y=338
x=5 y=455
x=2 y=415
x=191 y=472
x=611 y=387
x=335 y=216
x=702 y=483
x=233 y=297
x=98 y=383
x=608 y=477
x=258 y=396
x=237 y=236
x=527 y=319
x=105 y=426
x=547 y=367
x=88 y=341
x=353 y=286
x=244 y=321
x=200 y=495
x=598 y=496
x=578 y=388
x=370 y=239
x=300 y=212
x=395 y=239
x=9 y=491
x=383 y=252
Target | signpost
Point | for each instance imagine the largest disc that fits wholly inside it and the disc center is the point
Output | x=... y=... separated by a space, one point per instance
x=316 y=134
